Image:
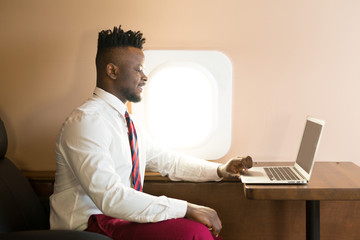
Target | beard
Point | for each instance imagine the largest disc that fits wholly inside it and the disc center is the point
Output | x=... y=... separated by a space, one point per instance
x=132 y=97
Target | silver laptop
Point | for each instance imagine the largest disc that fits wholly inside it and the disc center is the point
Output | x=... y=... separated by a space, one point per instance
x=301 y=171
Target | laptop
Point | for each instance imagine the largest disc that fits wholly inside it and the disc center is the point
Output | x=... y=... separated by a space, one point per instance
x=301 y=171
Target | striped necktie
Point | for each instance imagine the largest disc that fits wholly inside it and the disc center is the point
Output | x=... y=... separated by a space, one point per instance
x=134 y=153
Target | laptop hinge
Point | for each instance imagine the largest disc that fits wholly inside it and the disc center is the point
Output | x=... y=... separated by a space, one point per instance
x=299 y=173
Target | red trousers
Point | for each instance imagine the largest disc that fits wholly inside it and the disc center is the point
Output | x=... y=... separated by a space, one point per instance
x=174 y=229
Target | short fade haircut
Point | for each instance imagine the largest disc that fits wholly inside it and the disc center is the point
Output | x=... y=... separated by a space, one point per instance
x=120 y=38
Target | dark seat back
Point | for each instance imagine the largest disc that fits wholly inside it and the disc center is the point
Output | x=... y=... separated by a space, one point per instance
x=20 y=208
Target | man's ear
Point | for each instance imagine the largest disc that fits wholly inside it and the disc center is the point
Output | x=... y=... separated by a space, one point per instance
x=111 y=70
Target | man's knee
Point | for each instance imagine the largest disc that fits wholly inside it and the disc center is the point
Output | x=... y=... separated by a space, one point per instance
x=189 y=229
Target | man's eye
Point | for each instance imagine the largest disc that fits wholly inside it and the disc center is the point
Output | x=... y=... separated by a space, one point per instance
x=139 y=69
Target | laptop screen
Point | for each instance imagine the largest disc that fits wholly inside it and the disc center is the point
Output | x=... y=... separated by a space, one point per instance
x=308 y=145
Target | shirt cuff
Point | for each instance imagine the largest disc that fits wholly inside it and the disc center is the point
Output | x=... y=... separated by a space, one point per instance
x=211 y=171
x=177 y=208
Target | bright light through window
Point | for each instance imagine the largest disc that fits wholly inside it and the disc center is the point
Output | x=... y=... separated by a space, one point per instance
x=180 y=104
x=187 y=101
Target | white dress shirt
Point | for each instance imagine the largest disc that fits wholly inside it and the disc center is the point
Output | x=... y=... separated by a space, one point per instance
x=93 y=168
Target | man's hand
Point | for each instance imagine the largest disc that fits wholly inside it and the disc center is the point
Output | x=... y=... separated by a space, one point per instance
x=234 y=167
x=206 y=216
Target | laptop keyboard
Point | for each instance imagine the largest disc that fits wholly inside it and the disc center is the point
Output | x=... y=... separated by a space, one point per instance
x=280 y=173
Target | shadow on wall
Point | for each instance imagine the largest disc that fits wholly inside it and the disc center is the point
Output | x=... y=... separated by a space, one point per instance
x=32 y=138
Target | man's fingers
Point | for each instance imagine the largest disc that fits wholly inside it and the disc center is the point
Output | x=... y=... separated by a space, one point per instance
x=235 y=167
x=215 y=223
x=206 y=216
x=239 y=164
x=248 y=162
x=244 y=162
x=216 y=228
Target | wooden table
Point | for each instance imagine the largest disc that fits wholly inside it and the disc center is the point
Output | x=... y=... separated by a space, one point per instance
x=329 y=181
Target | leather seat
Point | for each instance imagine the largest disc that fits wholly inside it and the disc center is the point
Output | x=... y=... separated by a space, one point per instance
x=22 y=216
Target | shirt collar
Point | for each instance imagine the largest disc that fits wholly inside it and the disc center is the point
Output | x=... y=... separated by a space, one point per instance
x=111 y=99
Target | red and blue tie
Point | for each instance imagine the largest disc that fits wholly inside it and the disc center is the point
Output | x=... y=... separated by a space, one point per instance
x=134 y=153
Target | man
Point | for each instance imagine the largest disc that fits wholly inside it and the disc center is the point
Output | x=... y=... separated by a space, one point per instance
x=101 y=157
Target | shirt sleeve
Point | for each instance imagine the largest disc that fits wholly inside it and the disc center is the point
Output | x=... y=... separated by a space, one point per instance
x=86 y=146
x=177 y=166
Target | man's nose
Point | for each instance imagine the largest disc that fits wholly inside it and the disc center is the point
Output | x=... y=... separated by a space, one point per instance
x=144 y=77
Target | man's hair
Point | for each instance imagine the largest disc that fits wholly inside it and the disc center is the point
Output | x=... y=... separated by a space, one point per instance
x=109 y=40
x=120 y=38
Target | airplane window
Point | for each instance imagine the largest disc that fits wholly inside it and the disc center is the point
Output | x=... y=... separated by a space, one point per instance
x=187 y=101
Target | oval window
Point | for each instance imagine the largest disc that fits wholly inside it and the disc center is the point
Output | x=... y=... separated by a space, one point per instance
x=187 y=102
x=181 y=104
